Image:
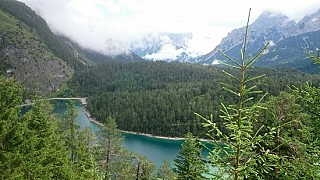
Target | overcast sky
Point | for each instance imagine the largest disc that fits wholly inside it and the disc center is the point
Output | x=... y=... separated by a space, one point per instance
x=94 y=23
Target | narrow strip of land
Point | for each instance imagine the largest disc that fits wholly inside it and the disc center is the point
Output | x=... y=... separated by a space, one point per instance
x=153 y=136
x=83 y=100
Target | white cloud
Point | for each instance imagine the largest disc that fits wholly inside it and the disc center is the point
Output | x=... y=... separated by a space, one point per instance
x=93 y=23
x=200 y=44
x=167 y=52
x=215 y=62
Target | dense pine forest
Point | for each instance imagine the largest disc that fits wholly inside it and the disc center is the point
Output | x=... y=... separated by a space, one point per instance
x=39 y=145
x=281 y=142
x=161 y=98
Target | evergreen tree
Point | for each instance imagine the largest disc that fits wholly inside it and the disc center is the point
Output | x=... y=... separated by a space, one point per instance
x=189 y=162
x=293 y=140
x=80 y=143
x=88 y=166
x=165 y=172
x=315 y=58
x=45 y=145
x=308 y=160
x=31 y=146
x=110 y=148
x=117 y=163
x=10 y=99
x=11 y=129
x=309 y=98
x=71 y=129
x=238 y=158
x=144 y=168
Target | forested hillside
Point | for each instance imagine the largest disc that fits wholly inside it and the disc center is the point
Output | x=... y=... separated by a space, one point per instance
x=260 y=123
x=39 y=26
x=25 y=56
x=161 y=98
x=37 y=144
x=39 y=59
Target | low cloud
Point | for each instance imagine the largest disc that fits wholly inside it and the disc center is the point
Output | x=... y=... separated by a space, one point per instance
x=110 y=26
x=167 y=52
x=215 y=62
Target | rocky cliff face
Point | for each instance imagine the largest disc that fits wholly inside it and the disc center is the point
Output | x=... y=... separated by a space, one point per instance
x=25 y=57
x=269 y=27
x=309 y=23
x=39 y=59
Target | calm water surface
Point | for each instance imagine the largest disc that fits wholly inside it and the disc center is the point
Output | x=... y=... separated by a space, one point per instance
x=155 y=149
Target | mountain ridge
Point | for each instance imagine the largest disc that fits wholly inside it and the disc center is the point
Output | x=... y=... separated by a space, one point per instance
x=268 y=27
x=26 y=57
x=40 y=60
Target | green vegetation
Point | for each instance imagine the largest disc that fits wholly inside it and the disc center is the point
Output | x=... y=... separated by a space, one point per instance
x=161 y=98
x=38 y=145
x=31 y=144
x=265 y=137
x=293 y=141
x=272 y=140
x=283 y=143
x=80 y=145
x=35 y=56
x=38 y=25
x=26 y=57
x=242 y=139
x=165 y=172
x=189 y=161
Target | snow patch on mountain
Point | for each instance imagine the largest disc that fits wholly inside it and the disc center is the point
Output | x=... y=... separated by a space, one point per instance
x=182 y=47
x=166 y=52
x=268 y=27
x=272 y=43
x=315 y=19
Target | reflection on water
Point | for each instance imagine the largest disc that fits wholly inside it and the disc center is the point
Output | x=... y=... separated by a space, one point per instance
x=154 y=149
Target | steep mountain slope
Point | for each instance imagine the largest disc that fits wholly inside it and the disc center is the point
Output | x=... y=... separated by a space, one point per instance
x=37 y=24
x=309 y=23
x=25 y=56
x=291 y=51
x=62 y=47
x=35 y=56
x=286 y=37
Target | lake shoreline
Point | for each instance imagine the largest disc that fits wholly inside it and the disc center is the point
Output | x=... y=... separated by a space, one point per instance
x=153 y=136
x=93 y=120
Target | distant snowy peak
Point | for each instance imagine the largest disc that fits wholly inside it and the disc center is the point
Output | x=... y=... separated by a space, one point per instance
x=165 y=46
x=268 y=27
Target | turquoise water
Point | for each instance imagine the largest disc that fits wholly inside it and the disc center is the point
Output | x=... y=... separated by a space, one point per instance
x=155 y=149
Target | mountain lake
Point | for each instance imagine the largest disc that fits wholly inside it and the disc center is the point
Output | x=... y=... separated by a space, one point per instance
x=155 y=149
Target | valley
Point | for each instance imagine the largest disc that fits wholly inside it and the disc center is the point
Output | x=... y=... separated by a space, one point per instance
x=156 y=98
